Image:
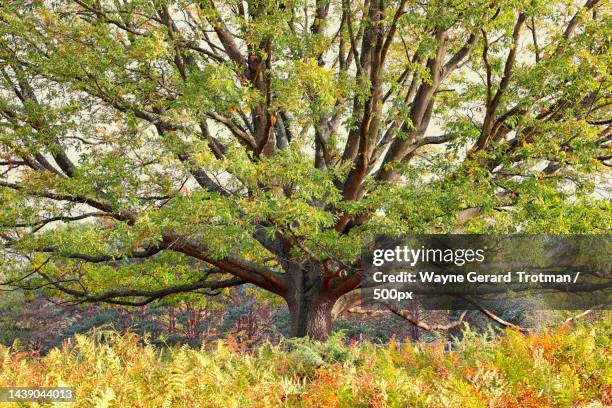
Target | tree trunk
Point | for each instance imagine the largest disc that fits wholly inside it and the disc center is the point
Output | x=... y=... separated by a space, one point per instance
x=311 y=317
x=310 y=303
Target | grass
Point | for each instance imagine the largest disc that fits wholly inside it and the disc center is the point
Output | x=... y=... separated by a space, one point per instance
x=567 y=367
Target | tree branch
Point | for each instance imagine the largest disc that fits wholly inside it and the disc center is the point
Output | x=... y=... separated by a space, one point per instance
x=493 y=316
x=423 y=325
x=149 y=295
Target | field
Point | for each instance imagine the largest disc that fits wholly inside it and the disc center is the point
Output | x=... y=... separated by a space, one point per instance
x=565 y=367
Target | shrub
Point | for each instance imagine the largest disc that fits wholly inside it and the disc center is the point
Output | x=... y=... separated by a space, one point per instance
x=566 y=367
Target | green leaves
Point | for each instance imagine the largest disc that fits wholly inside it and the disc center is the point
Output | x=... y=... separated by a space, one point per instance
x=218 y=121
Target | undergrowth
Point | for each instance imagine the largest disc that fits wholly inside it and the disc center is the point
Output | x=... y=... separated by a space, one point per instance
x=567 y=367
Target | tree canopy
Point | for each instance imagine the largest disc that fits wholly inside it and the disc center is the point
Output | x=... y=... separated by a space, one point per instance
x=155 y=147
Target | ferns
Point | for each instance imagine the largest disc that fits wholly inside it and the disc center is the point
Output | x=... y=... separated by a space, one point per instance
x=563 y=368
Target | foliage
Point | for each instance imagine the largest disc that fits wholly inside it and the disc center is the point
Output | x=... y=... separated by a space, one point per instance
x=561 y=368
x=40 y=325
x=154 y=148
x=11 y=306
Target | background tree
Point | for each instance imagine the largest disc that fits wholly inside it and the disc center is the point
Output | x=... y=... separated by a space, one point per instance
x=151 y=148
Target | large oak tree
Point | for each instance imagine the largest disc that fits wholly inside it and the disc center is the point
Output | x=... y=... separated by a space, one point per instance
x=155 y=147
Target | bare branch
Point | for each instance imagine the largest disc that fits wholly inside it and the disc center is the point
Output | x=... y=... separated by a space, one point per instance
x=493 y=316
x=423 y=325
x=570 y=320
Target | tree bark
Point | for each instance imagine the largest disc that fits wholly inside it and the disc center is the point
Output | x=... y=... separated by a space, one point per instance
x=310 y=303
x=311 y=317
